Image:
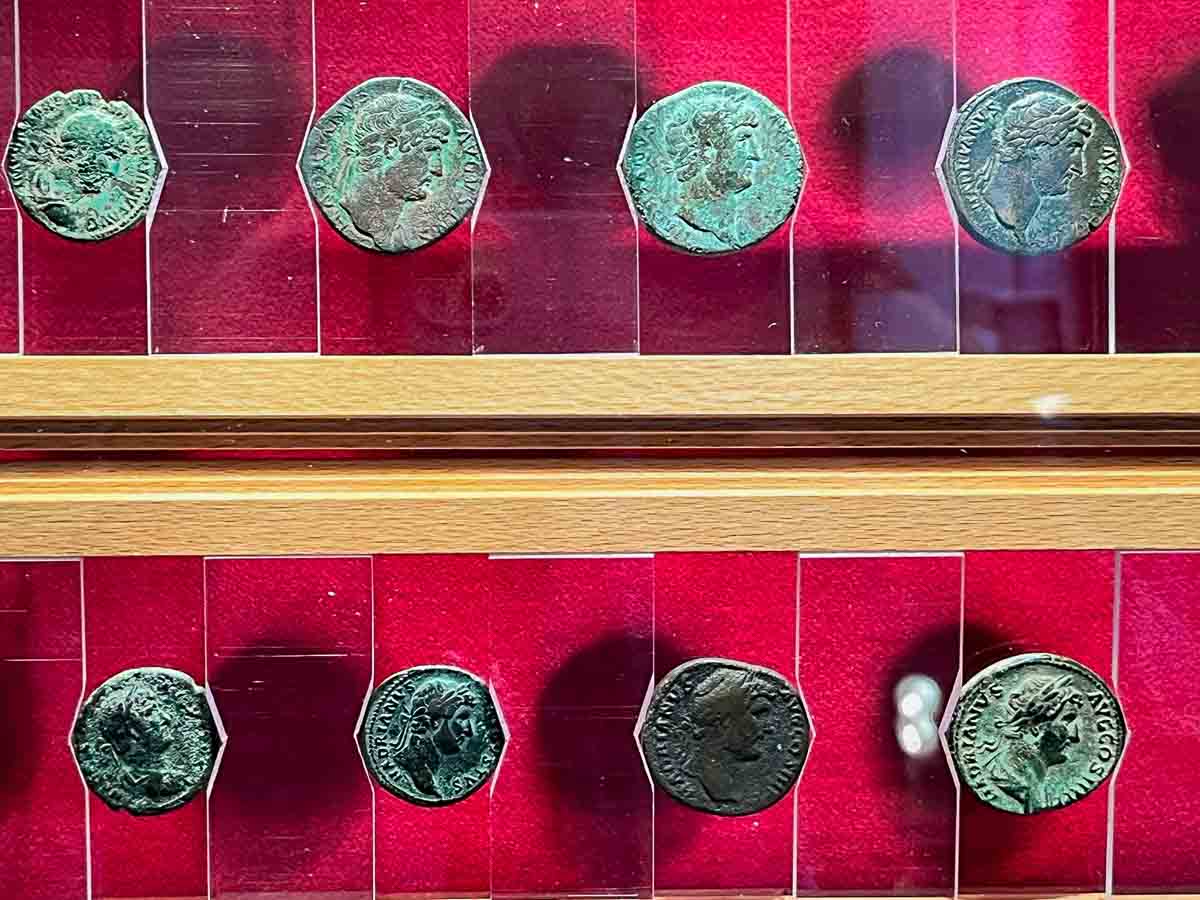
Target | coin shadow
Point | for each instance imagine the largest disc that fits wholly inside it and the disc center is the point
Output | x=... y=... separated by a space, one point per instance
x=586 y=716
x=553 y=250
x=291 y=764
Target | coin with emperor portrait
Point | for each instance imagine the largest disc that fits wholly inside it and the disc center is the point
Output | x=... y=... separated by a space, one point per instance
x=1035 y=732
x=725 y=737
x=393 y=165
x=713 y=168
x=431 y=735
x=1031 y=167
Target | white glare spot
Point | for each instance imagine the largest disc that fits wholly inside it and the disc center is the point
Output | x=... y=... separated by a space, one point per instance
x=910 y=739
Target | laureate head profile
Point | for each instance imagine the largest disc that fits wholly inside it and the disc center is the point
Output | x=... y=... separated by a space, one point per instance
x=438 y=723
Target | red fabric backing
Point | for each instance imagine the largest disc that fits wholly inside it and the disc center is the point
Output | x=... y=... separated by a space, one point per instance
x=1158 y=228
x=146 y=856
x=432 y=610
x=871 y=819
x=739 y=606
x=42 y=836
x=1156 y=839
x=571 y=660
x=289 y=650
x=1057 y=302
x=554 y=248
x=233 y=261
x=736 y=303
x=1020 y=602
x=90 y=296
x=10 y=300
x=393 y=303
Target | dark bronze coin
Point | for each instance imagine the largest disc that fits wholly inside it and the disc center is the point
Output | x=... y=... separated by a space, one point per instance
x=432 y=735
x=725 y=737
x=145 y=740
x=1036 y=732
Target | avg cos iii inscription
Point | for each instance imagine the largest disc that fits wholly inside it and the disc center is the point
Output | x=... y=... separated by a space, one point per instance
x=431 y=735
x=1036 y=732
x=725 y=737
x=393 y=165
x=1031 y=167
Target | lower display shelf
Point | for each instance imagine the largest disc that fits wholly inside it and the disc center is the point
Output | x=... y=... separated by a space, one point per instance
x=464 y=716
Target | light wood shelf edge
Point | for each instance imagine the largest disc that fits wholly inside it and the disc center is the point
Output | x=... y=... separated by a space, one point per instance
x=862 y=385
x=613 y=507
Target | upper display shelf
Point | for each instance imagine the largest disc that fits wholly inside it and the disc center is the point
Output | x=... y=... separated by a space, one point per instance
x=671 y=177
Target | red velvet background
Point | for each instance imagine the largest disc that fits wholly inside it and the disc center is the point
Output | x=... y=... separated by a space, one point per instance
x=289 y=653
x=408 y=302
x=232 y=252
x=10 y=299
x=740 y=606
x=1156 y=839
x=42 y=800
x=150 y=856
x=432 y=610
x=571 y=659
x=874 y=821
x=1021 y=602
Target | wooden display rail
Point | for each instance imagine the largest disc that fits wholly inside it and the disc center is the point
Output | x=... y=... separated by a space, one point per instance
x=489 y=402
x=565 y=506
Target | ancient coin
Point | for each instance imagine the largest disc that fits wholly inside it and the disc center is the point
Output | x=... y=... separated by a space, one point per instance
x=146 y=741
x=1031 y=167
x=83 y=166
x=431 y=735
x=393 y=165
x=725 y=737
x=714 y=168
x=1035 y=732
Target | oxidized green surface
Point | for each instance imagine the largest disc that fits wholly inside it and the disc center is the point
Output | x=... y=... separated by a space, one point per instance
x=725 y=737
x=393 y=165
x=714 y=168
x=1032 y=168
x=82 y=166
x=145 y=740
x=1036 y=732
x=431 y=735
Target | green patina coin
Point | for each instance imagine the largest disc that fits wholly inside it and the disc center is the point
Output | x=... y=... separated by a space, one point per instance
x=714 y=168
x=1031 y=168
x=1035 y=732
x=725 y=737
x=83 y=166
x=431 y=735
x=145 y=740
x=393 y=165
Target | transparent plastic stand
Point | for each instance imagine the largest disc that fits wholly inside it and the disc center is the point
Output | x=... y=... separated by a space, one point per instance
x=232 y=246
x=1022 y=602
x=739 y=606
x=571 y=653
x=289 y=665
x=1158 y=223
x=43 y=805
x=1156 y=818
x=432 y=611
x=554 y=249
x=82 y=296
x=405 y=303
x=879 y=645
x=145 y=856
x=872 y=87
x=1058 y=302
x=10 y=294
x=738 y=302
